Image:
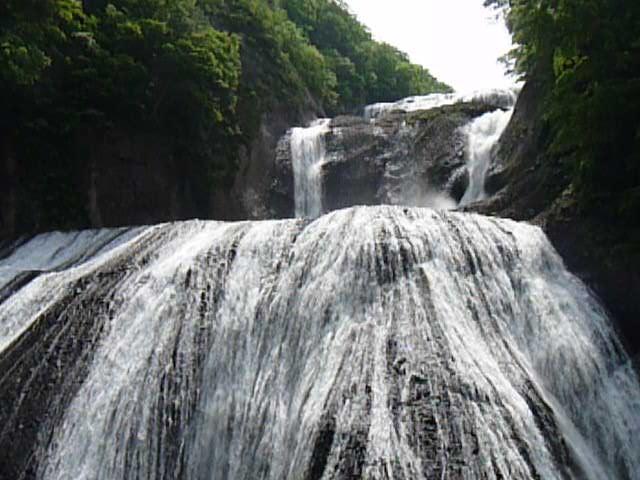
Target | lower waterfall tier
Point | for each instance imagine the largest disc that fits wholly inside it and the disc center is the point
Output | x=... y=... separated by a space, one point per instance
x=373 y=342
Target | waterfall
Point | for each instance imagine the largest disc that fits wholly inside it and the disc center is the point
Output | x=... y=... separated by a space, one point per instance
x=372 y=342
x=502 y=98
x=398 y=166
x=482 y=135
x=307 y=155
x=46 y=261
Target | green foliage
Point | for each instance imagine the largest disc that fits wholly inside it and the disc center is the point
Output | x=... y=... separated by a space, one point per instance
x=136 y=65
x=366 y=71
x=29 y=31
x=278 y=62
x=587 y=53
x=199 y=72
x=20 y=63
x=295 y=47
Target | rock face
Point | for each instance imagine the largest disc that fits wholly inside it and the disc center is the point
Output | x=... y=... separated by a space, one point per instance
x=257 y=192
x=112 y=177
x=404 y=158
x=533 y=185
x=8 y=188
x=136 y=180
x=121 y=178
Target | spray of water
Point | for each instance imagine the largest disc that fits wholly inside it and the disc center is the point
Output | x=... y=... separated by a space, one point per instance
x=373 y=342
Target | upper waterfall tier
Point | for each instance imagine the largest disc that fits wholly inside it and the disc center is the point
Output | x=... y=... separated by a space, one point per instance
x=482 y=135
x=504 y=98
x=432 y=151
x=307 y=154
x=373 y=342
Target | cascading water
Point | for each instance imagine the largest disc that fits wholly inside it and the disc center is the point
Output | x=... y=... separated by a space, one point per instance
x=399 y=173
x=46 y=261
x=373 y=342
x=503 y=98
x=482 y=135
x=307 y=154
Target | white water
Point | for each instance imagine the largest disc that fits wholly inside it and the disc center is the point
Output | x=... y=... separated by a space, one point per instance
x=402 y=185
x=53 y=260
x=307 y=155
x=503 y=98
x=374 y=342
x=482 y=135
x=55 y=250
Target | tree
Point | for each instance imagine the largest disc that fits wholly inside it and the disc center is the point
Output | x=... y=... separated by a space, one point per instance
x=587 y=55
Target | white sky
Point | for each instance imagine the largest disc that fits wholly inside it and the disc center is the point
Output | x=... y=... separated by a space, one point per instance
x=459 y=41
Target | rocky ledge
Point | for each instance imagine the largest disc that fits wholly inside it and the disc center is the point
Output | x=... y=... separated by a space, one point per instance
x=403 y=158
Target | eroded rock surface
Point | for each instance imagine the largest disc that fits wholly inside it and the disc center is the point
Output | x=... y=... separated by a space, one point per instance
x=412 y=158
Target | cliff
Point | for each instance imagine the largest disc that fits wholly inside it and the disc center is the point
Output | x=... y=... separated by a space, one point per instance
x=414 y=158
x=116 y=177
x=532 y=182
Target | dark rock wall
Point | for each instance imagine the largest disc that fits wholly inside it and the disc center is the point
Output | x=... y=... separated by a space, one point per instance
x=7 y=189
x=125 y=178
x=281 y=190
x=115 y=178
x=135 y=180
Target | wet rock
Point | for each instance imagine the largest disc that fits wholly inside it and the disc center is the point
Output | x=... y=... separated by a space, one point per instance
x=530 y=183
x=407 y=158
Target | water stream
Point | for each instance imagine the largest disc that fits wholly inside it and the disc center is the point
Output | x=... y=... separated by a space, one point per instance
x=308 y=154
x=367 y=343
x=482 y=135
x=373 y=342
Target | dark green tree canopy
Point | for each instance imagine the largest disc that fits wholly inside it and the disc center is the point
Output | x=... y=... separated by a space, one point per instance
x=200 y=73
x=587 y=54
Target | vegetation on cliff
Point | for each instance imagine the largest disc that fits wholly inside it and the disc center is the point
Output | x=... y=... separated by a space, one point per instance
x=586 y=55
x=197 y=72
x=366 y=71
x=136 y=66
